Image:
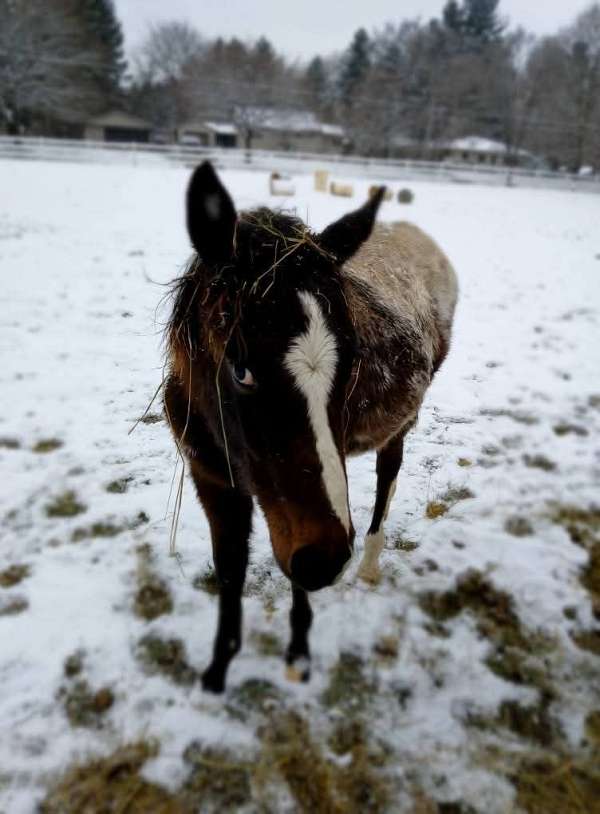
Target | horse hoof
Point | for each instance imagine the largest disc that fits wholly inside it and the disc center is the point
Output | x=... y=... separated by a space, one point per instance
x=370 y=575
x=298 y=671
x=213 y=681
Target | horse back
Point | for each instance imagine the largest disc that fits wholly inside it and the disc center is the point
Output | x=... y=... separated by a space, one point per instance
x=401 y=290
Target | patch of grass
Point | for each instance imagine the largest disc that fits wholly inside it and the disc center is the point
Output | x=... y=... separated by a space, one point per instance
x=98 y=529
x=119 y=486
x=522 y=665
x=349 y=687
x=152 y=598
x=564 y=428
x=435 y=509
x=588 y=640
x=13 y=575
x=531 y=722
x=152 y=418
x=267 y=644
x=216 y=782
x=65 y=505
x=520 y=416
x=10 y=443
x=317 y=784
x=47 y=445
x=85 y=706
x=73 y=664
x=518 y=526
x=106 y=528
x=206 y=581
x=493 y=609
x=592 y=726
x=386 y=648
x=583 y=527
x=13 y=606
x=112 y=784
x=253 y=696
x=464 y=462
x=557 y=784
x=167 y=657
x=539 y=462
x=454 y=494
x=400 y=543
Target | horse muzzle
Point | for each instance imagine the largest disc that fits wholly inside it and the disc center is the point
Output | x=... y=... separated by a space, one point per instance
x=316 y=566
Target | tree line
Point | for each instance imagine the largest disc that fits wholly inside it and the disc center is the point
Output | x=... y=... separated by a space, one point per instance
x=407 y=86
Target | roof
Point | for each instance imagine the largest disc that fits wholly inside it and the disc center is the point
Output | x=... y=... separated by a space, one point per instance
x=287 y=120
x=478 y=144
x=223 y=128
x=118 y=118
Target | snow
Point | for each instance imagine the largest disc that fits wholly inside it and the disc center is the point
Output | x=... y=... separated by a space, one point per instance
x=223 y=128
x=478 y=144
x=84 y=253
x=292 y=120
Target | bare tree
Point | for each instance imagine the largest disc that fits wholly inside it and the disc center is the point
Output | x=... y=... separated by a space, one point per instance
x=40 y=63
x=166 y=52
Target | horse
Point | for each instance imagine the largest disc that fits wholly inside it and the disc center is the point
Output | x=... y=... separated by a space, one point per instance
x=288 y=351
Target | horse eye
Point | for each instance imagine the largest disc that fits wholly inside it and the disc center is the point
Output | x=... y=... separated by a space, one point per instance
x=243 y=376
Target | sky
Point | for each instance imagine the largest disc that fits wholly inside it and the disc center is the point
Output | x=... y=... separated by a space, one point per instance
x=303 y=29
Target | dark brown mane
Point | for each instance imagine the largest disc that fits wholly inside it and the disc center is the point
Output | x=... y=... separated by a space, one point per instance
x=207 y=304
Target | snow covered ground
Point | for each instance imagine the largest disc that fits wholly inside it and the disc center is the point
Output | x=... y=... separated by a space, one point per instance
x=457 y=684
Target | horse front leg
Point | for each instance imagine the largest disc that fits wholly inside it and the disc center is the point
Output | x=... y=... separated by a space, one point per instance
x=229 y=513
x=389 y=460
x=297 y=656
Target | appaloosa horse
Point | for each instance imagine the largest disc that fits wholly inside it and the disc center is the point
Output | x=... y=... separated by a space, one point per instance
x=289 y=350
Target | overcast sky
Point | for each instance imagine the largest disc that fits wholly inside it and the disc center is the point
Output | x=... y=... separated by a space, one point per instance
x=306 y=27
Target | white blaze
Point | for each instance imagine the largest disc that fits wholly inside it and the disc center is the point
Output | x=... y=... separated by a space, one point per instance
x=311 y=361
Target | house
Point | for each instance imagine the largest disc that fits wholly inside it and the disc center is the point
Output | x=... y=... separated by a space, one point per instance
x=480 y=150
x=269 y=128
x=208 y=134
x=117 y=125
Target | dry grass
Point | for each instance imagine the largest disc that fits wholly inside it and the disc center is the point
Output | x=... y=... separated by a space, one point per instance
x=85 y=706
x=167 y=657
x=317 y=783
x=65 y=505
x=435 y=509
x=107 y=528
x=10 y=443
x=13 y=575
x=551 y=784
x=46 y=445
x=13 y=606
x=152 y=598
x=112 y=785
x=493 y=609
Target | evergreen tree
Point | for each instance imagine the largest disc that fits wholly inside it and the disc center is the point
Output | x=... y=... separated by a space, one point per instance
x=102 y=33
x=482 y=22
x=474 y=24
x=315 y=81
x=453 y=17
x=356 y=64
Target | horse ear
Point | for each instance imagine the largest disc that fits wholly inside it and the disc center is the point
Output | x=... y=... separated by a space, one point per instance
x=211 y=216
x=345 y=236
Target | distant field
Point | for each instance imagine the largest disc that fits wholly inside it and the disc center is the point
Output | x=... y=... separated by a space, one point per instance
x=467 y=681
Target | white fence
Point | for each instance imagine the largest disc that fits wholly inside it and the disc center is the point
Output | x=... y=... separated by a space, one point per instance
x=376 y=169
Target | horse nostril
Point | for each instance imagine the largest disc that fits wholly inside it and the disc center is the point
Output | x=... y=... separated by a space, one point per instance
x=314 y=567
